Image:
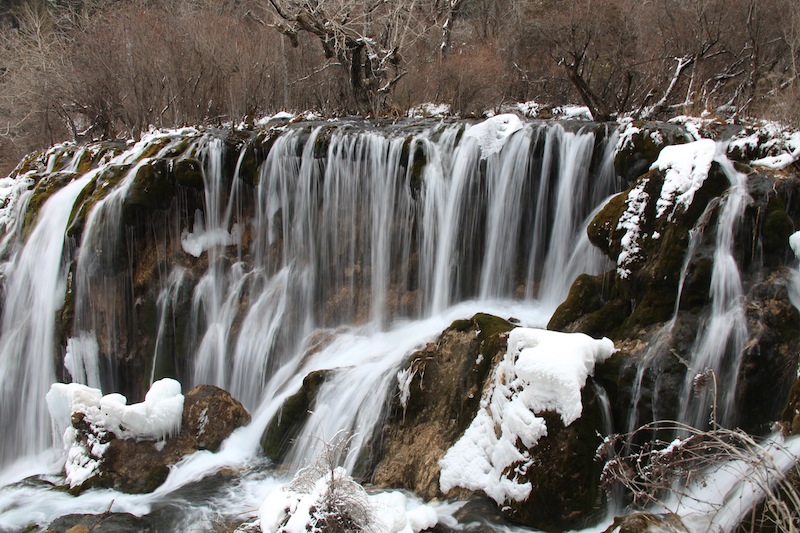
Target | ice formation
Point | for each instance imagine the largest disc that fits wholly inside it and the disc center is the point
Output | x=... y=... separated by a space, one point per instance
x=156 y=418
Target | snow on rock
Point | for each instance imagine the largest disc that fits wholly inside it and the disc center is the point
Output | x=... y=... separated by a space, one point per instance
x=281 y=115
x=542 y=370
x=11 y=190
x=791 y=145
x=429 y=110
x=794 y=243
x=572 y=112
x=201 y=239
x=492 y=134
x=158 y=417
x=319 y=498
x=630 y=221
x=686 y=167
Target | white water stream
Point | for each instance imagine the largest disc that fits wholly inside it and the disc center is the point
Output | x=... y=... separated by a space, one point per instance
x=355 y=256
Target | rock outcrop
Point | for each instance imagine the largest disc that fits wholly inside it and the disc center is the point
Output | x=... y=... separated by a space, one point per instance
x=210 y=415
x=441 y=391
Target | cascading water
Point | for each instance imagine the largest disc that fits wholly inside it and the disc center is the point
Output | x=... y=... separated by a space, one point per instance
x=343 y=251
x=720 y=344
x=36 y=281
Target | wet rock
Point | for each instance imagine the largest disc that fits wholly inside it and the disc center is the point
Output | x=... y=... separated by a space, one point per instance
x=152 y=188
x=565 y=477
x=443 y=382
x=641 y=144
x=287 y=423
x=101 y=523
x=770 y=359
x=188 y=172
x=647 y=522
x=210 y=415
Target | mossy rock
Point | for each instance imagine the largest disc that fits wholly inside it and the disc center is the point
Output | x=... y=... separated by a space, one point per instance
x=565 y=477
x=446 y=380
x=152 y=188
x=103 y=185
x=778 y=227
x=188 y=172
x=584 y=297
x=414 y=160
x=287 y=423
x=47 y=185
x=641 y=150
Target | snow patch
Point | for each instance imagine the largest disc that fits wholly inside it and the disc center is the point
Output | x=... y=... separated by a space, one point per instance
x=541 y=371
x=794 y=243
x=281 y=115
x=200 y=240
x=158 y=417
x=492 y=134
x=572 y=112
x=686 y=167
x=429 y=110
x=630 y=221
x=306 y=504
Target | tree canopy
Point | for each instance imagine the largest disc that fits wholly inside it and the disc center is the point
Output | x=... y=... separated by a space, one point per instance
x=102 y=68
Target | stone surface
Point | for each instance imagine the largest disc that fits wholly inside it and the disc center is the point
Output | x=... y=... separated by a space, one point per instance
x=101 y=523
x=210 y=415
x=447 y=380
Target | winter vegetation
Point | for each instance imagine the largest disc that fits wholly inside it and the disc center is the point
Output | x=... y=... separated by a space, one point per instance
x=103 y=68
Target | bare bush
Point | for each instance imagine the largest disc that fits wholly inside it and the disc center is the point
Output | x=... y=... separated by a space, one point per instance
x=671 y=474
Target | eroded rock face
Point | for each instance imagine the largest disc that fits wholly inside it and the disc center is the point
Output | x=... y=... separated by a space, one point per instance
x=445 y=383
x=210 y=415
x=441 y=393
x=634 y=303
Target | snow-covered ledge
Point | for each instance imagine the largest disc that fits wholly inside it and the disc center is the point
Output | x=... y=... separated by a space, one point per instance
x=541 y=371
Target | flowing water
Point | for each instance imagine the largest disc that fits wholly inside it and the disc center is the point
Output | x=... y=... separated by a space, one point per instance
x=346 y=249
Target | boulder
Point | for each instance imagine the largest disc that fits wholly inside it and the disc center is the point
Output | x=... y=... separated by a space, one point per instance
x=440 y=392
x=210 y=415
x=287 y=423
x=101 y=523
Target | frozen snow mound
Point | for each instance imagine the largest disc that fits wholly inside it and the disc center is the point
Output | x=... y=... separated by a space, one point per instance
x=541 y=371
x=686 y=167
x=156 y=418
x=320 y=499
x=492 y=134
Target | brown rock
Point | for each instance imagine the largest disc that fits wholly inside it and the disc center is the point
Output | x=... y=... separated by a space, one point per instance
x=447 y=381
x=210 y=415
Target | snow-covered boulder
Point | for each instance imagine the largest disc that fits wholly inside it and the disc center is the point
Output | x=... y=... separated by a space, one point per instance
x=322 y=497
x=130 y=447
x=523 y=446
x=437 y=441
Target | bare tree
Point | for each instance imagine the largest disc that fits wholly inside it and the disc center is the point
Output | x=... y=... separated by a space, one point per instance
x=363 y=39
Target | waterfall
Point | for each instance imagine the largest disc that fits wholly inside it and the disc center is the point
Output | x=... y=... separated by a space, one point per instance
x=720 y=344
x=343 y=249
x=35 y=285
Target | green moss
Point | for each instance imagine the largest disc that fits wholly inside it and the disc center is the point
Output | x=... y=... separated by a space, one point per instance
x=602 y=230
x=778 y=227
x=289 y=420
x=91 y=194
x=461 y=325
x=698 y=284
x=583 y=298
x=188 y=172
x=46 y=187
x=608 y=320
x=152 y=188
x=155 y=478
